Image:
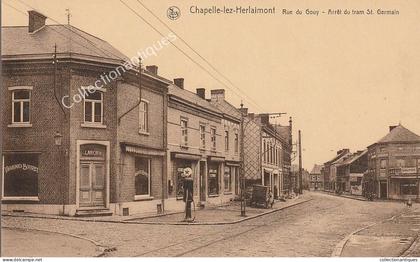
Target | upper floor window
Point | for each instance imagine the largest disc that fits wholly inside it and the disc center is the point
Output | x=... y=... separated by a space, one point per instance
x=94 y=107
x=184 y=132
x=383 y=163
x=400 y=162
x=144 y=116
x=226 y=140
x=21 y=100
x=213 y=137
x=265 y=151
x=236 y=143
x=202 y=136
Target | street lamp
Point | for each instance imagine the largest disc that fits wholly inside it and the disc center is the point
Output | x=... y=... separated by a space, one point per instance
x=58 y=137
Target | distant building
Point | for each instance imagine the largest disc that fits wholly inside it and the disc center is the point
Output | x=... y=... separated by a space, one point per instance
x=264 y=153
x=316 y=179
x=329 y=170
x=394 y=164
x=350 y=172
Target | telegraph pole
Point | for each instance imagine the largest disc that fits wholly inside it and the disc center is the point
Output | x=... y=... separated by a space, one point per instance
x=300 y=162
x=242 y=164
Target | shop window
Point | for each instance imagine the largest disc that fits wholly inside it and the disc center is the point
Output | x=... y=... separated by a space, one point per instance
x=93 y=107
x=180 y=178
x=213 y=180
x=144 y=116
x=21 y=106
x=21 y=175
x=227 y=179
x=213 y=138
x=184 y=132
x=408 y=187
x=226 y=140
x=142 y=176
x=202 y=136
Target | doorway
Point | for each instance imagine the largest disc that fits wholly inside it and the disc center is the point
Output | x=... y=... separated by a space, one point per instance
x=383 y=189
x=202 y=181
x=92 y=184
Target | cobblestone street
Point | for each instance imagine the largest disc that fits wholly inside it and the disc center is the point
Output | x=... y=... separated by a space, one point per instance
x=310 y=229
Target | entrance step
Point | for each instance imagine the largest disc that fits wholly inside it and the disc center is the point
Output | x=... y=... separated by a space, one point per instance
x=93 y=212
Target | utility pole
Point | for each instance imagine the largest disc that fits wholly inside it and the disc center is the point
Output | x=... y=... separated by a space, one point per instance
x=242 y=165
x=300 y=162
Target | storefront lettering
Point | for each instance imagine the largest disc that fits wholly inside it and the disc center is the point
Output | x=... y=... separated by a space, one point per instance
x=22 y=166
x=92 y=153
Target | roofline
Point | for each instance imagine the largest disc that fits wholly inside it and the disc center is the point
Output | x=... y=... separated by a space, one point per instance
x=76 y=56
x=188 y=103
x=394 y=142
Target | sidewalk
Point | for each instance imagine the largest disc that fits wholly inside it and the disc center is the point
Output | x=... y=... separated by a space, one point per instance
x=393 y=237
x=227 y=214
x=344 y=194
x=36 y=243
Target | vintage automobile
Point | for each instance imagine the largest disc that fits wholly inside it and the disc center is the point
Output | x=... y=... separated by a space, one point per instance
x=261 y=195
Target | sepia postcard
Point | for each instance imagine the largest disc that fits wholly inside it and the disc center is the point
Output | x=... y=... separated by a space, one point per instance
x=136 y=129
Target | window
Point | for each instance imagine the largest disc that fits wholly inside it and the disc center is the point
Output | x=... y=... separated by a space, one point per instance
x=184 y=132
x=226 y=140
x=94 y=107
x=408 y=187
x=236 y=143
x=383 y=163
x=142 y=176
x=400 y=162
x=21 y=106
x=202 y=136
x=213 y=138
x=21 y=175
x=265 y=151
x=144 y=116
x=213 y=180
x=227 y=179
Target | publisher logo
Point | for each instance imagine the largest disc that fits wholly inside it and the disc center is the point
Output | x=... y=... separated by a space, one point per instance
x=173 y=13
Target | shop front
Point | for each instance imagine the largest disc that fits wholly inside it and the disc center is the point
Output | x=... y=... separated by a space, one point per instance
x=20 y=176
x=214 y=179
x=403 y=187
x=231 y=178
x=179 y=162
x=92 y=175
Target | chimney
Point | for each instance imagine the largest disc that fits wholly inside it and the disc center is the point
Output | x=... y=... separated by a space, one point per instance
x=201 y=92
x=36 y=21
x=152 y=69
x=391 y=128
x=243 y=110
x=217 y=94
x=265 y=119
x=179 y=82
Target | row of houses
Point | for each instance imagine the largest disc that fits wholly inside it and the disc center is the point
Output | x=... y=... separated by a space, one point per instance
x=389 y=168
x=71 y=148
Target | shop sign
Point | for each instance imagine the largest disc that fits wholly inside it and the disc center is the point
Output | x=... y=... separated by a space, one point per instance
x=91 y=150
x=21 y=166
x=408 y=170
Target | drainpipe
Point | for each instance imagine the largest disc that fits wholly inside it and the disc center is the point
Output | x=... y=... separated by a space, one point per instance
x=138 y=102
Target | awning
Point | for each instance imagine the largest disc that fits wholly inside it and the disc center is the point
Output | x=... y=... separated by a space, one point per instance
x=143 y=150
x=230 y=163
x=186 y=156
x=216 y=159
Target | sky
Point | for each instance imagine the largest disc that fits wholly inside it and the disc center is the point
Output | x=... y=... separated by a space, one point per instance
x=343 y=79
